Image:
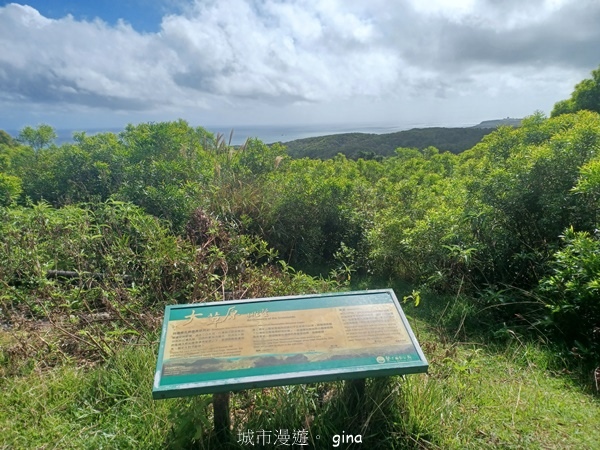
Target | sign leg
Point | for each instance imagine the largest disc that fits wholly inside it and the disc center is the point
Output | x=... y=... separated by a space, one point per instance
x=221 y=414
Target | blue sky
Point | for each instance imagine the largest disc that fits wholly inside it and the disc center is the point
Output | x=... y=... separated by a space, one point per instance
x=94 y=64
x=142 y=15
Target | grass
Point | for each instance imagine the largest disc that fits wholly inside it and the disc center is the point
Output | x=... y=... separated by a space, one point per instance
x=485 y=398
x=477 y=395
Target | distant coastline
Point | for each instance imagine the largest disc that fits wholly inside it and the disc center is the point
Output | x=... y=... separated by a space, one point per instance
x=267 y=133
x=283 y=133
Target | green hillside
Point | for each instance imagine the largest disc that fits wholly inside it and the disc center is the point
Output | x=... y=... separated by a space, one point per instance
x=356 y=145
x=499 y=122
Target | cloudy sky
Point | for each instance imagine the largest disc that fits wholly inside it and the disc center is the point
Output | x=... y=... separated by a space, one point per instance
x=106 y=63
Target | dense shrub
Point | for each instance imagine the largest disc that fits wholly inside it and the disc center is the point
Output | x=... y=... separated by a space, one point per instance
x=10 y=189
x=572 y=293
x=185 y=216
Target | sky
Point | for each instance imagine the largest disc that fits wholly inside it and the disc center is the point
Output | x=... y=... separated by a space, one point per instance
x=93 y=64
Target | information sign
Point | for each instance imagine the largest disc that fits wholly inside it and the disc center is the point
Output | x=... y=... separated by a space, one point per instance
x=240 y=344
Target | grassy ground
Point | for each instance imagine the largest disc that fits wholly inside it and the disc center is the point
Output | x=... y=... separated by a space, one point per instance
x=478 y=394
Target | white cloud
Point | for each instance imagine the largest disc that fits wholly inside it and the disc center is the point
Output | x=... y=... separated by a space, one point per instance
x=278 y=51
x=236 y=53
x=452 y=8
x=81 y=62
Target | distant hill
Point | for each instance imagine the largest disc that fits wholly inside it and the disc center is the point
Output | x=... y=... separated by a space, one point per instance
x=355 y=145
x=496 y=123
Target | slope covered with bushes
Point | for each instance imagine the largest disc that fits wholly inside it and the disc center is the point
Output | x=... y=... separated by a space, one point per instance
x=490 y=219
x=363 y=145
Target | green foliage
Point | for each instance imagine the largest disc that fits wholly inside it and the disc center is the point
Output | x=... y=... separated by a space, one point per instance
x=37 y=138
x=10 y=189
x=190 y=217
x=164 y=141
x=258 y=158
x=572 y=292
x=585 y=96
x=476 y=396
x=563 y=107
x=89 y=170
x=17 y=160
x=372 y=146
x=520 y=193
x=421 y=214
x=98 y=235
x=309 y=207
x=101 y=274
x=415 y=297
x=102 y=407
x=588 y=187
x=6 y=139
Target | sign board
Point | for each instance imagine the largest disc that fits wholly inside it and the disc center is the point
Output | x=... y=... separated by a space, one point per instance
x=232 y=345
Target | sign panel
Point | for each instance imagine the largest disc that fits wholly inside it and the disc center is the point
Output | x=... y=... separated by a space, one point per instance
x=241 y=344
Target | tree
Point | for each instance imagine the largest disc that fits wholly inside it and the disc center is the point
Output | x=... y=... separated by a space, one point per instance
x=6 y=139
x=37 y=138
x=585 y=96
x=10 y=189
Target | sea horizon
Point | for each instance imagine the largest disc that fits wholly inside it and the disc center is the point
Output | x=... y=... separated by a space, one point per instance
x=268 y=134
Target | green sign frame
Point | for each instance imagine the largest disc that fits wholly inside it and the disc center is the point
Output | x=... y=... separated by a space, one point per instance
x=208 y=348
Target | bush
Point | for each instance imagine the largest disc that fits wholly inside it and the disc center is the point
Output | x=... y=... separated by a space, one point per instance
x=10 y=189
x=572 y=293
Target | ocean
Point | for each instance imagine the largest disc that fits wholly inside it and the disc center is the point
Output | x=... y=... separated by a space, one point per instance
x=271 y=134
